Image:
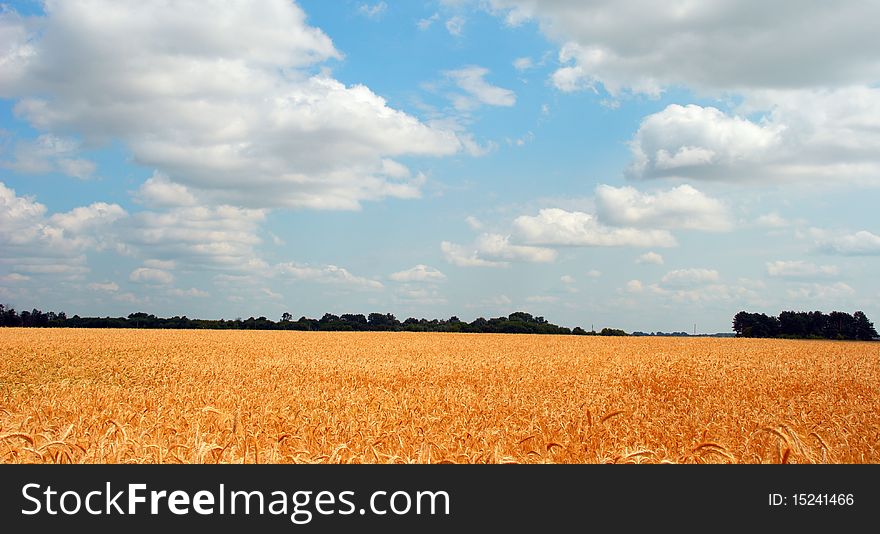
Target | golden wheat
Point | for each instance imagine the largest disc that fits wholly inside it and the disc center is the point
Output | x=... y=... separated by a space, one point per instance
x=143 y=396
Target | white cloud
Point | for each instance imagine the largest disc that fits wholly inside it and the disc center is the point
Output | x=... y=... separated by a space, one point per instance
x=680 y=207
x=88 y=220
x=523 y=63
x=650 y=258
x=419 y=273
x=167 y=265
x=129 y=298
x=497 y=246
x=374 y=11
x=694 y=287
x=268 y=293
x=800 y=269
x=708 y=293
x=192 y=292
x=772 y=220
x=35 y=243
x=220 y=100
x=147 y=275
x=861 y=243
x=567 y=279
x=635 y=286
x=14 y=278
x=107 y=287
x=689 y=277
x=636 y=46
x=522 y=141
x=555 y=226
x=472 y=81
x=594 y=273
x=425 y=296
x=424 y=24
x=455 y=25
x=495 y=250
x=214 y=237
x=700 y=143
x=326 y=274
x=824 y=136
x=473 y=222
x=49 y=153
x=159 y=192
x=821 y=292
x=463 y=257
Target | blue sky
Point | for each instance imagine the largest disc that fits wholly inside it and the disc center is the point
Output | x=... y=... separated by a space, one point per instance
x=646 y=167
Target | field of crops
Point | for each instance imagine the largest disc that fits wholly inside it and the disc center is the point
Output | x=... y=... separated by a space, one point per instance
x=112 y=396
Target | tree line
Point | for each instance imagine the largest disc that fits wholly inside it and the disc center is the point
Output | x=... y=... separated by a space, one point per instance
x=515 y=323
x=805 y=325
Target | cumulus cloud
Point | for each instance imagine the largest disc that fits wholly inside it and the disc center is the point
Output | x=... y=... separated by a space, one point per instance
x=643 y=47
x=495 y=250
x=326 y=274
x=160 y=192
x=555 y=226
x=826 y=136
x=861 y=243
x=37 y=243
x=821 y=291
x=85 y=224
x=190 y=293
x=650 y=258
x=147 y=275
x=271 y=295
x=523 y=63
x=455 y=25
x=220 y=100
x=106 y=287
x=772 y=220
x=497 y=246
x=373 y=11
x=708 y=293
x=167 y=265
x=477 y=90
x=49 y=153
x=473 y=222
x=700 y=142
x=199 y=236
x=809 y=100
x=689 y=277
x=635 y=286
x=800 y=269
x=466 y=257
x=221 y=238
x=419 y=273
x=680 y=207
x=427 y=22
x=425 y=296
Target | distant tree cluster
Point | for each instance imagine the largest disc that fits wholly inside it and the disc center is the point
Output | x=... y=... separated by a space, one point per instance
x=515 y=323
x=34 y=318
x=805 y=325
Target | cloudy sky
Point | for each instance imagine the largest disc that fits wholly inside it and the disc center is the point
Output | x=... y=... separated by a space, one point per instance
x=632 y=164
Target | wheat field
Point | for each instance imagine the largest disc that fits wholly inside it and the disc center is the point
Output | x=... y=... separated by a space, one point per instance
x=149 y=396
